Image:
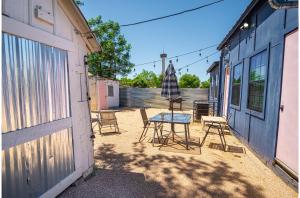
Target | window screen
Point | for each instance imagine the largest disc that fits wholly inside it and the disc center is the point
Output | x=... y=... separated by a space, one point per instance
x=236 y=85
x=110 y=90
x=35 y=87
x=256 y=85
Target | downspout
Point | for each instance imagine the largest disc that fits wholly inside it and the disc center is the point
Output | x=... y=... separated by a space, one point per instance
x=283 y=5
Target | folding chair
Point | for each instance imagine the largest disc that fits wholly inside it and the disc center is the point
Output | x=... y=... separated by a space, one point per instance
x=147 y=124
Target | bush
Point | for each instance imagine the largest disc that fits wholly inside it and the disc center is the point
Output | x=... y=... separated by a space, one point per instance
x=205 y=84
x=125 y=82
x=189 y=81
x=146 y=79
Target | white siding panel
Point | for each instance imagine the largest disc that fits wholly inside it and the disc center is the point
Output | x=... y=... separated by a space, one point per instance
x=62 y=26
x=16 y=9
x=46 y=6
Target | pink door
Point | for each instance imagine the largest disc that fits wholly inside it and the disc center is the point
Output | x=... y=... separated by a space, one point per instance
x=226 y=90
x=102 y=95
x=287 y=143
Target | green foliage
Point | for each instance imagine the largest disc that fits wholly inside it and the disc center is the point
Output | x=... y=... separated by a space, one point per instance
x=145 y=79
x=189 y=81
x=79 y=3
x=205 y=84
x=125 y=82
x=114 y=57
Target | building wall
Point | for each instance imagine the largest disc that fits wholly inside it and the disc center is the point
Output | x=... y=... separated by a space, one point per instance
x=268 y=28
x=57 y=31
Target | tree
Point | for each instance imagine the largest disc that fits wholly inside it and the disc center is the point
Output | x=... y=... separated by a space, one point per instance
x=113 y=59
x=125 y=82
x=205 y=84
x=189 y=81
x=145 y=79
x=79 y=3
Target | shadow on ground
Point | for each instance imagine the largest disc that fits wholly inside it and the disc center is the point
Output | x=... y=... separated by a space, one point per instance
x=141 y=175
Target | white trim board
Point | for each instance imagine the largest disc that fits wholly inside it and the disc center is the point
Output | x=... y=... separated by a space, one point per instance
x=12 y=26
x=11 y=139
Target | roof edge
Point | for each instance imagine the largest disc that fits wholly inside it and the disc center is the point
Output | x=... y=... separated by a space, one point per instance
x=80 y=23
x=212 y=66
x=238 y=23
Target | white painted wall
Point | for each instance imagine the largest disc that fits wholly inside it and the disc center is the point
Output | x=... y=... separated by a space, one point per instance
x=19 y=19
x=113 y=101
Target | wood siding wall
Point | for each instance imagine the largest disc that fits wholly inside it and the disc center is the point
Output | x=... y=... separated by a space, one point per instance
x=268 y=28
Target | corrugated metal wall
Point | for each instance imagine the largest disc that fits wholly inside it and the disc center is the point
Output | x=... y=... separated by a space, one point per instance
x=139 y=97
x=30 y=169
x=34 y=83
x=35 y=90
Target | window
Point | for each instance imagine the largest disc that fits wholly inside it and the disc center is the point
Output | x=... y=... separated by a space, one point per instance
x=110 y=90
x=35 y=86
x=236 y=85
x=214 y=85
x=256 y=87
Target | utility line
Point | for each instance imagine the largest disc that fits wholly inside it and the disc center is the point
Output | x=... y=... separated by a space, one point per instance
x=171 y=15
x=184 y=54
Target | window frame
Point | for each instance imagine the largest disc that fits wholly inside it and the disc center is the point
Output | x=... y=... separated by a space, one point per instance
x=252 y=112
x=233 y=106
x=108 y=90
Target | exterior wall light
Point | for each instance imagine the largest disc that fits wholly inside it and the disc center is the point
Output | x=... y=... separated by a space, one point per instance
x=244 y=26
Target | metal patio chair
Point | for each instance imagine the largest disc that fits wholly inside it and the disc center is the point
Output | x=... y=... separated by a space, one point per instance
x=96 y=120
x=105 y=118
x=147 y=124
x=108 y=118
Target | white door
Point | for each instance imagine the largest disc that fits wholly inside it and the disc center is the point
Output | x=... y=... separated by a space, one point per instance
x=226 y=90
x=287 y=143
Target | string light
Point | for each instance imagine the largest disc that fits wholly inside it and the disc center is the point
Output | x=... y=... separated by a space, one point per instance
x=197 y=61
x=187 y=69
x=200 y=53
x=154 y=64
x=206 y=59
x=177 y=59
x=177 y=56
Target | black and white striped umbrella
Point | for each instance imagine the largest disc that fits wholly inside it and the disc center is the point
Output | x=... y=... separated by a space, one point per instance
x=170 y=88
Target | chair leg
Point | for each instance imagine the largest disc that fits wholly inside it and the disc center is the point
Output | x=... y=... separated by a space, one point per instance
x=117 y=127
x=205 y=135
x=99 y=125
x=142 y=134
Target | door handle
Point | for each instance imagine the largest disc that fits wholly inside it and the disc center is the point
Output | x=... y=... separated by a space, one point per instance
x=281 y=107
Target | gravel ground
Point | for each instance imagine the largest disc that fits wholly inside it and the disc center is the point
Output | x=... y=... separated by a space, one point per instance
x=127 y=168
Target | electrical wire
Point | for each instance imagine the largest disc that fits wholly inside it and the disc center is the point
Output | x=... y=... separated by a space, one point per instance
x=184 y=54
x=171 y=15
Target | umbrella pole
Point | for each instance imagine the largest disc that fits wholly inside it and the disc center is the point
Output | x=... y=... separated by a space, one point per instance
x=172 y=124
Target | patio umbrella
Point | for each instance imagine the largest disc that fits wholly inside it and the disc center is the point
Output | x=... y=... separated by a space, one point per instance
x=170 y=88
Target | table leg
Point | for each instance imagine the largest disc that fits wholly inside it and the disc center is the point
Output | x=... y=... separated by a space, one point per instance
x=155 y=131
x=188 y=129
x=186 y=136
x=173 y=131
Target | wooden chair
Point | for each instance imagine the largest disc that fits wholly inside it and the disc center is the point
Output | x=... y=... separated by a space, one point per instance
x=147 y=124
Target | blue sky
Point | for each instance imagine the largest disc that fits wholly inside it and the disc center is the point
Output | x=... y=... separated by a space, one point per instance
x=175 y=35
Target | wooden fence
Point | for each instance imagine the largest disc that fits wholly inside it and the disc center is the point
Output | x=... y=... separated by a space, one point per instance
x=150 y=97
